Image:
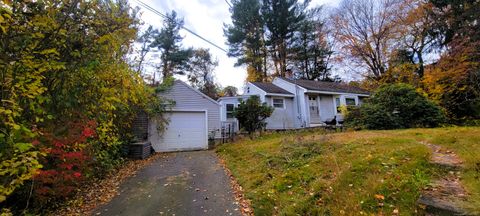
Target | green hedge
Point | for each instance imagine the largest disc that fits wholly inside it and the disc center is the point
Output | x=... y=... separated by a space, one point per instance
x=395 y=106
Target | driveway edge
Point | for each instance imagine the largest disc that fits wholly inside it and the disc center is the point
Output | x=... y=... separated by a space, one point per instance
x=243 y=202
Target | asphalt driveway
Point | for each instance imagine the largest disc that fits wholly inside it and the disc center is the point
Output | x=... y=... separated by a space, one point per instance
x=183 y=183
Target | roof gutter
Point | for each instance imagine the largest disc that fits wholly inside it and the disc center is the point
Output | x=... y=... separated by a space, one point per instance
x=335 y=93
x=280 y=95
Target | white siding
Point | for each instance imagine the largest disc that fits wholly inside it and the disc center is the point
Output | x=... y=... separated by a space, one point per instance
x=327 y=107
x=281 y=118
x=251 y=89
x=300 y=111
x=187 y=98
x=223 y=110
x=285 y=85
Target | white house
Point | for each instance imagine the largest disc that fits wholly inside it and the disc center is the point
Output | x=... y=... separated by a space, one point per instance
x=298 y=103
x=193 y=118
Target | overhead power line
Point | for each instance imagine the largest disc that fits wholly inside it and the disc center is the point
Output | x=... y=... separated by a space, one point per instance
x=229 y=5
x=148 y=7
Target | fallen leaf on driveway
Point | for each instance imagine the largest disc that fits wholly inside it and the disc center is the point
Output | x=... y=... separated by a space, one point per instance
x=100 y=191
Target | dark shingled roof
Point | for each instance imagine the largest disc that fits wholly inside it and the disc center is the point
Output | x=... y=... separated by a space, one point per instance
x=328 y=86
x=271 y=88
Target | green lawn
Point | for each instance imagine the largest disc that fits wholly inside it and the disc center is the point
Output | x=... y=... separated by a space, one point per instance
x=351 y=173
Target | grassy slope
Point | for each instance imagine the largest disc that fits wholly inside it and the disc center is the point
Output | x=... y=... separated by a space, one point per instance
x=311 y=173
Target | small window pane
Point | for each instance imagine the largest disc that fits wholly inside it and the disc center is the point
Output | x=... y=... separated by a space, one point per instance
x=278 y=103
x=337 y=103
x=350 y=101
x=230 y=108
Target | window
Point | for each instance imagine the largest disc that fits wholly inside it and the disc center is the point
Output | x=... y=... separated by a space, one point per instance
x=230 y=108
x=337 y=104
x=278 y=103
x=350 y=102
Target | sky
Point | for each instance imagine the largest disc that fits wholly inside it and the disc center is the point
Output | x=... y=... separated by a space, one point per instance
x=206 y=18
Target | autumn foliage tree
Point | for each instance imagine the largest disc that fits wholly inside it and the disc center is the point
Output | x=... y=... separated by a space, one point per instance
x=454 y=81
x=367 y=33
x=67 y=95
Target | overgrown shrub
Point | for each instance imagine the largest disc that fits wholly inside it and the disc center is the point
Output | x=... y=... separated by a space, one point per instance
x=251 y=114
x=68 y=96
x=395 y=106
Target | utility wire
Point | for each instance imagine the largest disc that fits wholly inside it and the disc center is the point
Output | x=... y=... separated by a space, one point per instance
x=148 y=7
x=229 y=5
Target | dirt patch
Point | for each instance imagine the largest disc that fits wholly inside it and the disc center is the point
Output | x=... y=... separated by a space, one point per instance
x=103 y=190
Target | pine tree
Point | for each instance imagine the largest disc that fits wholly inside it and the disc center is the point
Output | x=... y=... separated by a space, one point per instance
x=174 y=58
x=245 y=37
x=311 y=51
x=282 y=20
x=200 y=75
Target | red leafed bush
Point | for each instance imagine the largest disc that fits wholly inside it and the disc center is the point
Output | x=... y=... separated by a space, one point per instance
x=67 y=162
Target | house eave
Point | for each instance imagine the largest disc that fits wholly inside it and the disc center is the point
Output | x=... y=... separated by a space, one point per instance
x=335 y=93
x=233 y=97
x=280 y=95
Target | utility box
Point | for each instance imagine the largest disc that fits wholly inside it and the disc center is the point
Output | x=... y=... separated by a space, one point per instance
x=140 y=150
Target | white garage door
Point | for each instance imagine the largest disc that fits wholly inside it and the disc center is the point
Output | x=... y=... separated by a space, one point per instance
x=186 y=131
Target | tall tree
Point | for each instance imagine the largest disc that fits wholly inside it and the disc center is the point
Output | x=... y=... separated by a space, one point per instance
x=367 y=32
x=455 y=20
x=145 y=39
x=282 y=20
x=64 y=80
x=200 y=74
x=310 y=49
x=245 y=38
x=174 y=58
x=455 y=80
x=415 y=29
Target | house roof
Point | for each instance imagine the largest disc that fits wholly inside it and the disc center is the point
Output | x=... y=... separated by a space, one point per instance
x=270 y=88
x=328 y=86
x=197 y=91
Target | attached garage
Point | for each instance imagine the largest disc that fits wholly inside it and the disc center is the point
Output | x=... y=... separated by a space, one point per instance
x=192 y=120
x=187 y=130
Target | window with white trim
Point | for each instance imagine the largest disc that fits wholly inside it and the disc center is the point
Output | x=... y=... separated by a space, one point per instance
x=229 y=110
x=278 y=103
x=350 y=101
x=337 y=104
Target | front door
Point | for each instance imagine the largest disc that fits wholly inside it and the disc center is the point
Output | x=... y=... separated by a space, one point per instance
x=314 y=111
